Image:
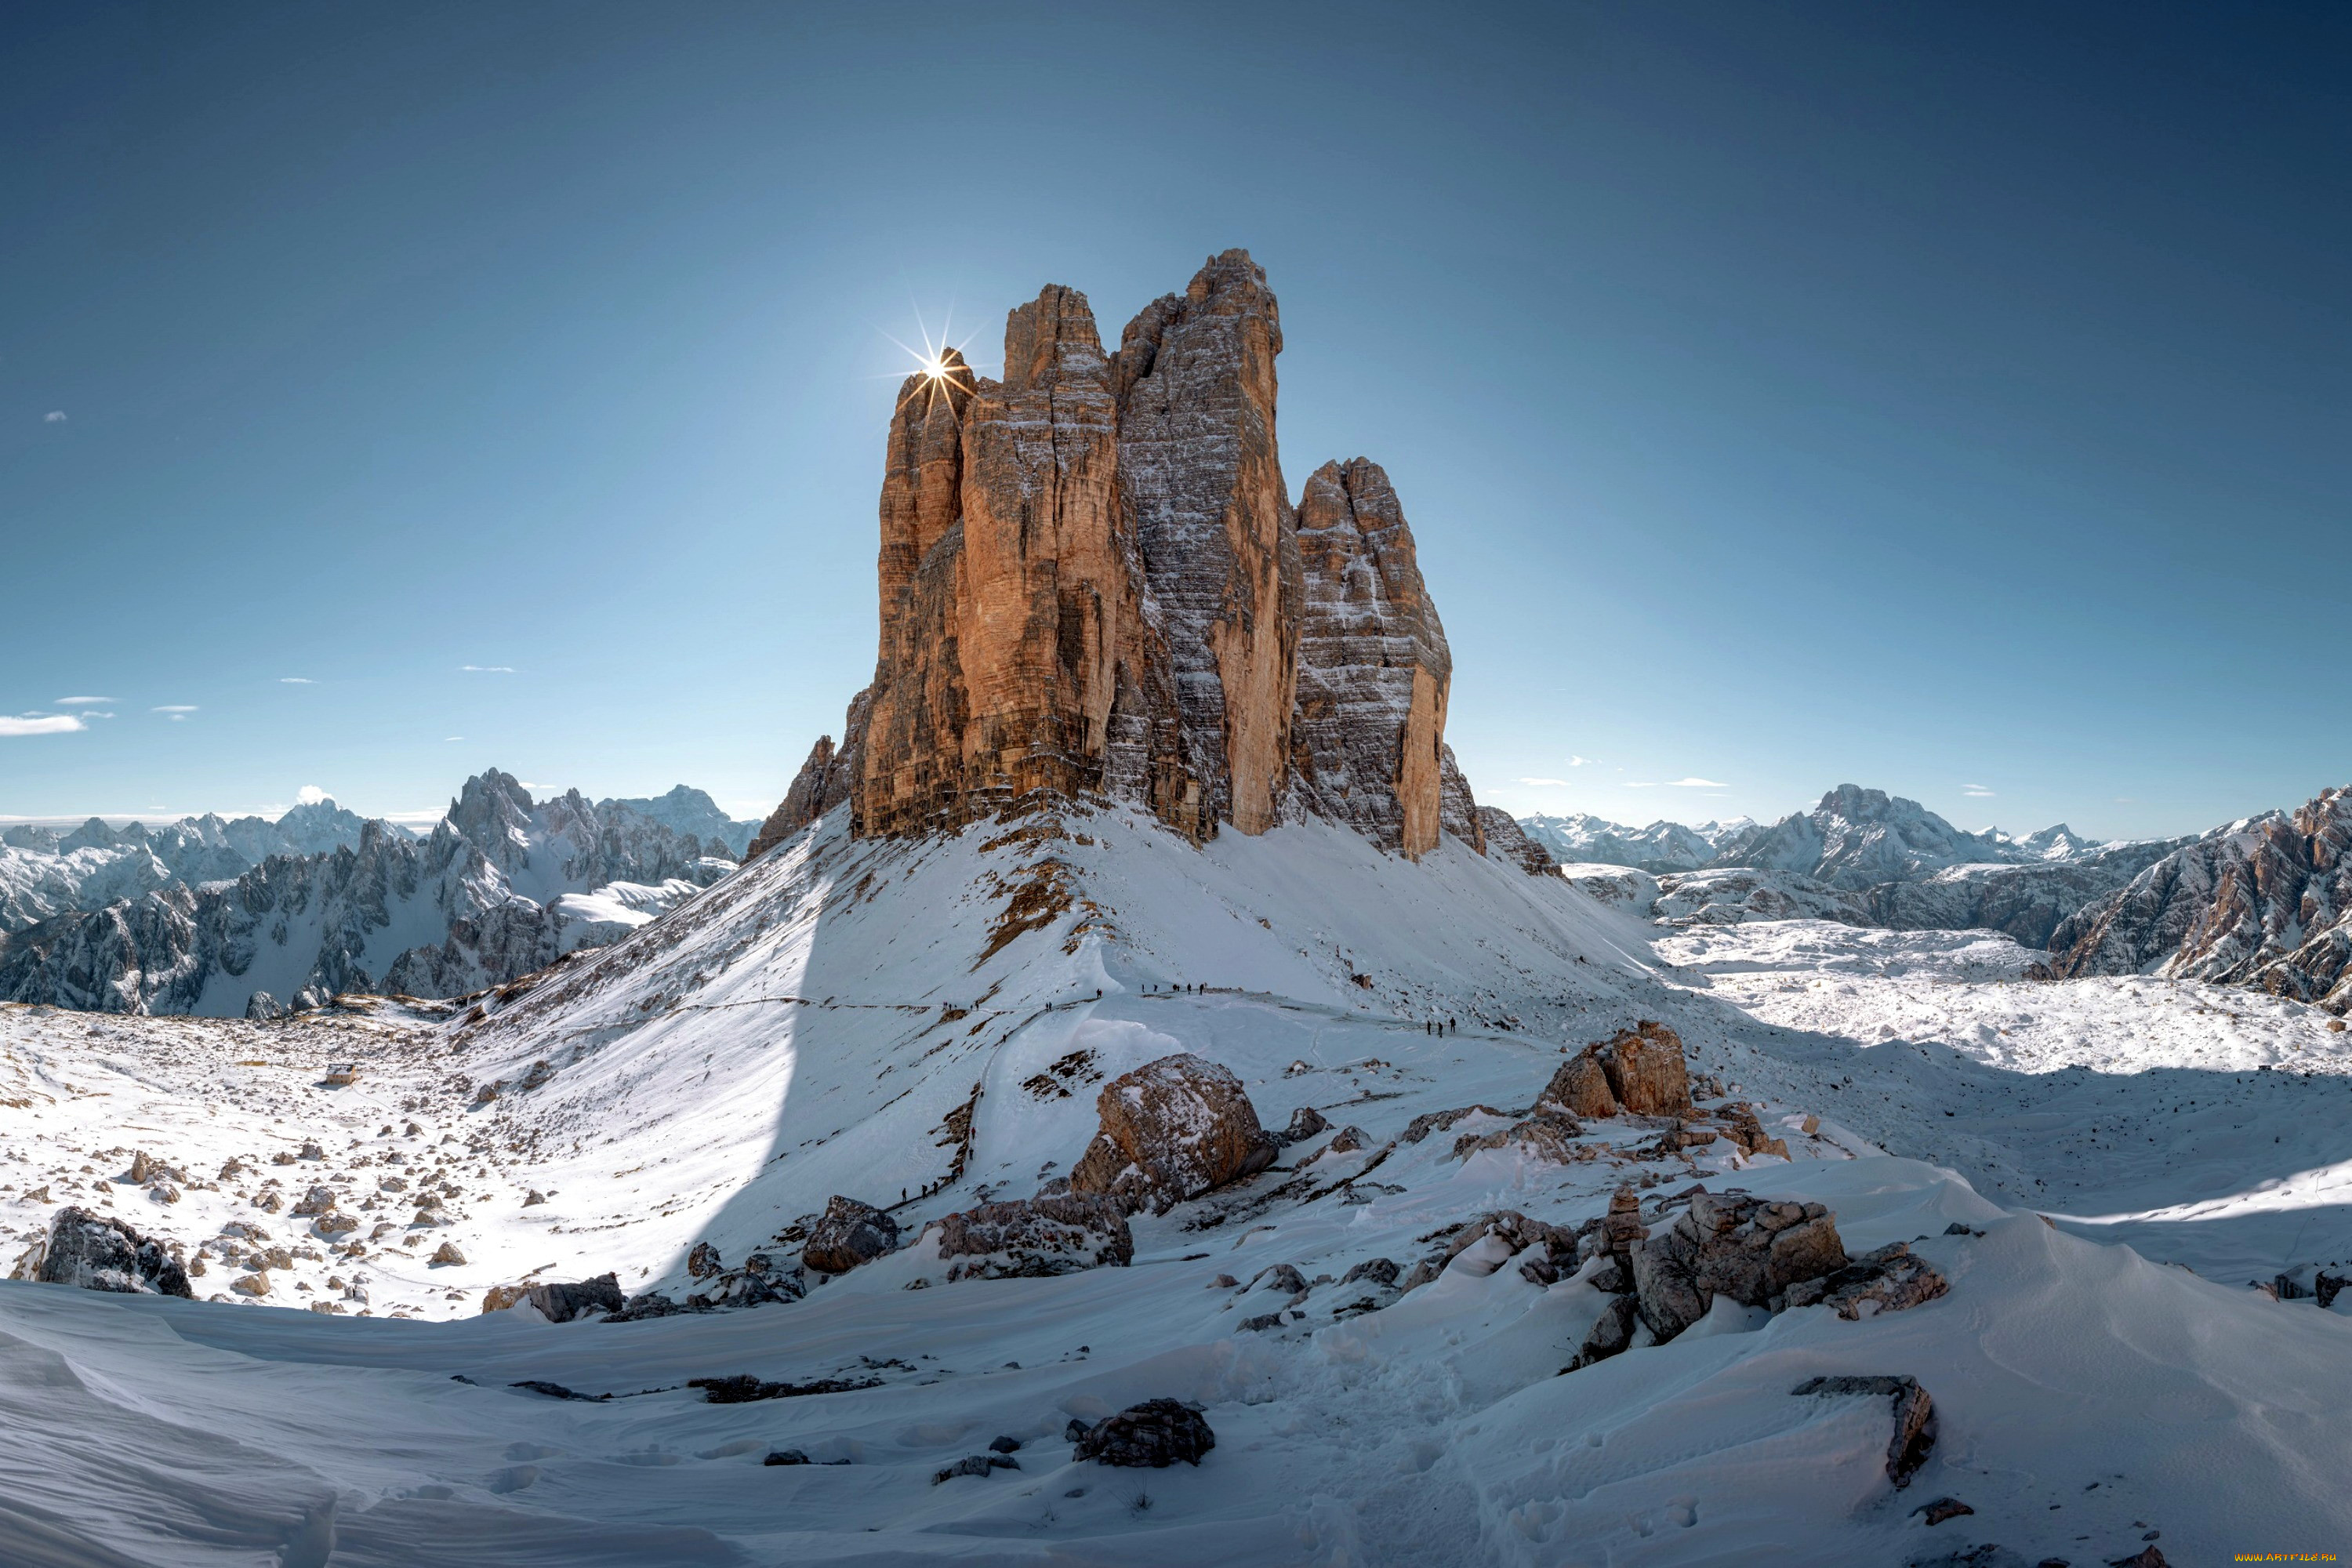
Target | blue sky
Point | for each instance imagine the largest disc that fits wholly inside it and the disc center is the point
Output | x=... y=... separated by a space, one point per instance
x=1948 y=399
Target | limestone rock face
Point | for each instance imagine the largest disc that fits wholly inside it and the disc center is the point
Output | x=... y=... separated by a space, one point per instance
x=1506 y=840
x=1730 y=1244
x=1374 y=666
x=1202 y=478
x=1173 y=1129
x=1640 y=1070
x=1092 y=582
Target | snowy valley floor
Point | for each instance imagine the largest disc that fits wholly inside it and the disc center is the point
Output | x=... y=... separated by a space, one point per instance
x=934 y=1018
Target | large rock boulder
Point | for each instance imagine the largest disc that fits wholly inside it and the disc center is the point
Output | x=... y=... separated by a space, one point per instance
x=562 y=1302
x=99 y=1253
x=1153 y=1435
x=1173 y=1129
x=1640 y=1070
x=851 y=1233
x=1030 y=1238
x=1732 y=1245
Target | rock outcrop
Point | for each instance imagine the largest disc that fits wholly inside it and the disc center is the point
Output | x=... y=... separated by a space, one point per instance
x=1506 y=840
x=1153 y=1435
x=1173 y=1129
x=2265 y=901
x=1092 y=582
x=851 y=1233
x=1731 y=1245
x=97 y=1252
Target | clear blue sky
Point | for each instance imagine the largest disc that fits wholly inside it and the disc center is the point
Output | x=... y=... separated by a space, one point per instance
x=1947 y=398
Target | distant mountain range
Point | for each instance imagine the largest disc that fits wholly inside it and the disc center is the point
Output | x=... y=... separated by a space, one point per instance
x=1860 y=857
x=249 y=917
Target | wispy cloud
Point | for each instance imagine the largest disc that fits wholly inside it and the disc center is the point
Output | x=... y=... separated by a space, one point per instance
x=1577 y=762
x=84 y=701
x=453 y=737
x=488 y=669
x=1696 y=784
x=295 y=680
x=1976 y=792
x=1546 y=783
x=177 y=712
x=54 y=416
x=41 y=724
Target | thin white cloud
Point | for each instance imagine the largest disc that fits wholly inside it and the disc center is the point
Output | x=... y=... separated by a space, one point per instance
x=41 y=724
x=295 y=680
x=1547 y=783
x=97 y=713
x=84 y=701
x=1976 y=792
x=1577 y=762
x=453 y=737
x=488 y=669
x=54 y=416
x=1696 y=783
x=309 y=795
x=174 y=708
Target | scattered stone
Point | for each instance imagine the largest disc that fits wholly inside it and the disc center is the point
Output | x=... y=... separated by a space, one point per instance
x=1224 y=1282
x=1379 y=1270
x=254 y=1284
x=1349 y=1141
x=976 y=1465
x=1281 y=1277
x=1170 y=1130
x=334 y=1224
x=703 y=1261
x=96 y=1252
x=498 y=1298
x=1942 y=1509
x=535 y=1199
x=1037 y=1237
x=1546 y=1134
x=1263 y=1323
x=1556 y=1247
x=1915 y=1417
x=1005 y=1445
x=851 y=1233
x=1430 y=1121
x=2148 y=1558
x=786 y=1456
x=1154 y=1434
x=557 y=1390
x=448 y=1253
x=310 y=1151
x=317 y=1201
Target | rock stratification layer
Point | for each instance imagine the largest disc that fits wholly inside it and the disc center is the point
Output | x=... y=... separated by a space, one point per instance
x=1093 y=582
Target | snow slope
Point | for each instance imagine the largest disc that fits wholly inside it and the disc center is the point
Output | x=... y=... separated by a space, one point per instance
x=815 y=1025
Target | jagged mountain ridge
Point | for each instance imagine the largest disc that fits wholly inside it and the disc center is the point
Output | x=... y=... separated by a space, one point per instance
x=1663 y=845
x=2263 y=901
x=1864 y=857
x=503 y=886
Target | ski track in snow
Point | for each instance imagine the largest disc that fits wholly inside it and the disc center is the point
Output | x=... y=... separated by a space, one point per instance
x=809 y=1026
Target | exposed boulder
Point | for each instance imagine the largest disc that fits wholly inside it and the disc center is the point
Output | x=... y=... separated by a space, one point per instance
x=1640 y=1070
x=1554 y=1246
x=1304 y=1123
x=96 y=1252
x=1173 y=1129
x=851 y=1233
x=1611 y=1332
x=1036 y=1237
x=1154 y=1435
x=562 y=1302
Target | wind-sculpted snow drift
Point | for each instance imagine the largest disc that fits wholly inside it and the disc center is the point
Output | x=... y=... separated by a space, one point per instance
x=970 y=1078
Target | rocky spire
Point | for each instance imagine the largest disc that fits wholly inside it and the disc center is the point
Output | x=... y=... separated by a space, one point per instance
x=1202 y=479
x=1373 y=667
x=1092 y=582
